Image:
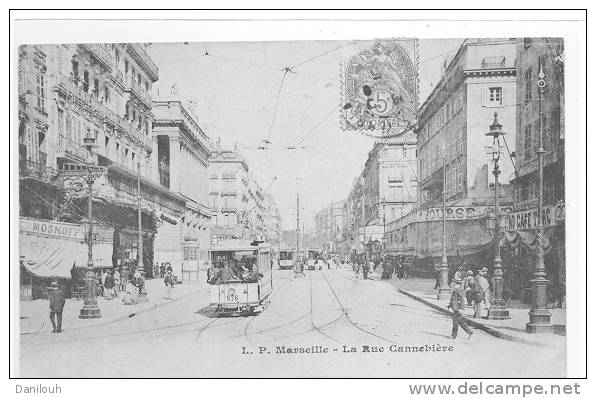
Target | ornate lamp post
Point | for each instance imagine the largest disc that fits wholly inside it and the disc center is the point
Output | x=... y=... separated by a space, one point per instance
x=498 y=309
x=444 y=290
x=90 y=308
x=539 y=314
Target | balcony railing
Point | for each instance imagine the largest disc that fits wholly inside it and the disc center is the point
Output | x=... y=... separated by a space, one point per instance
x=102 y=53
x=71 y=147
x=38 y=171
x=119 y=77
x=70 y=87
x=133 y=86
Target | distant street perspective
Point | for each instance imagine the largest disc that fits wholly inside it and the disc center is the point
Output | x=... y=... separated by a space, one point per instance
x=325 y=310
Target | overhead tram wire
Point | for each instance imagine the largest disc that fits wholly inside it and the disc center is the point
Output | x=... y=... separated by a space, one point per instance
x=285 y=70
x=317 y=125
x=324 y=53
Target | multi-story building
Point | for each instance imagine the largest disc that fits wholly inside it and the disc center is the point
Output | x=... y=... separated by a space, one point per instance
x=228 y=197
x=329 y=227
x=540 y=58
x=68 y=92
x=272 y=221
x=239 y=208
x=385 y=190
x=182 y=159
x=532 y=55
x=479 y=81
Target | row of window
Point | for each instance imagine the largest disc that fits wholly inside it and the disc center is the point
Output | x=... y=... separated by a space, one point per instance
x=225 y=201
x=443 y=115
x=227 y=220
x=102 y=94
x=456 y=175
x=431 y=154
x=75 y=128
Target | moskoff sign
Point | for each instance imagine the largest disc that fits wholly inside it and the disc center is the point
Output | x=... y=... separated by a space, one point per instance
x=50 y=228
x=528 y=219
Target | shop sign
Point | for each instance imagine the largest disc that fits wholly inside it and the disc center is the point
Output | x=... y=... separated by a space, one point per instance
x=54 y=229
x=528 y=219
x=456 y=213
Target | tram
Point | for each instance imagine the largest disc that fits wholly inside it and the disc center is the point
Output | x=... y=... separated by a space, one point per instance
x=286 y=259
x=248 y=283
x=312 y=256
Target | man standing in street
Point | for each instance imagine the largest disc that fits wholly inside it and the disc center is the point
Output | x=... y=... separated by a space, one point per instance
x=109 y=286
x=116 y=283
x=457 y=306
x=482 y=293
x=57 y=300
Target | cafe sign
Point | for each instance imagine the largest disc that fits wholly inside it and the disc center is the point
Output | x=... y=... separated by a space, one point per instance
x=528 y=219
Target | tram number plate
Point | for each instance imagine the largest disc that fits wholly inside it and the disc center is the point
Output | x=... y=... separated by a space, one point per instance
x=232 y=299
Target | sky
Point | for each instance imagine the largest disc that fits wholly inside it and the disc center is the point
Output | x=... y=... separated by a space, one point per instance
x=243 y=98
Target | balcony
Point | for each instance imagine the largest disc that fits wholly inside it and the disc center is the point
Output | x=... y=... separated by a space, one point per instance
x=69 y=86
x=102 y=54
x=68 y=146
x=142 y=94
x=38 y=171
x=102 y=110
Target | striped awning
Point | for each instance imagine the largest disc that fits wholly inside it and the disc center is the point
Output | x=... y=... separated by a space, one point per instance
x=48 y=257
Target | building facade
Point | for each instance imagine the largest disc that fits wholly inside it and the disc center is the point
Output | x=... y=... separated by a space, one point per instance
x=479 y=81
x=239 y=206
x=182 y=159
x=272 y=222
x=329 y=227
x=386 y=189
x=71 y=92
x=539 y=58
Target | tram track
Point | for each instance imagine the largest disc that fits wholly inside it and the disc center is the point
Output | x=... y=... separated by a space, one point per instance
x=349 y=319
x=315 y=327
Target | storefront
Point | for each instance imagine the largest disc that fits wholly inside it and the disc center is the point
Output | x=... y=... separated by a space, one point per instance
x=52 y=250
x=520 y=243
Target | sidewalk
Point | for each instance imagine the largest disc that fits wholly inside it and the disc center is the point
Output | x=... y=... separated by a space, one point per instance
x=513 y=329
x=35 y=316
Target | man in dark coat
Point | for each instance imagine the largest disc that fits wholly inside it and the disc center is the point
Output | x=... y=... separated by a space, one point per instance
x=57 y=300
x=457 y=306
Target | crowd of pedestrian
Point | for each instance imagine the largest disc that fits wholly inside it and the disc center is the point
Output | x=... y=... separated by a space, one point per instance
x=475 y=288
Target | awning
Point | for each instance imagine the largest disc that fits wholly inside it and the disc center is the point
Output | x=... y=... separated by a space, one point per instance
x=47 y=257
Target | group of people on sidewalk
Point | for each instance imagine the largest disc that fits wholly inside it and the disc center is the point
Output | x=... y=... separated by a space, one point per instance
x=110 y=285
x=469 y=290
x=363 y=266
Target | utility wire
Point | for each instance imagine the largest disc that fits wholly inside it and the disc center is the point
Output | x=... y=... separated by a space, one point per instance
x=320 y=55
x=317 y=125
x=510 y=158
x=276 y=104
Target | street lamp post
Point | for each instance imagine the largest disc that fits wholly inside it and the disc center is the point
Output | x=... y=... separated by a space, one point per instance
x=142 y=298
x=498 y=309
x=90 y=308
x=444 y=290
x=384 y=227
x=539 y=314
